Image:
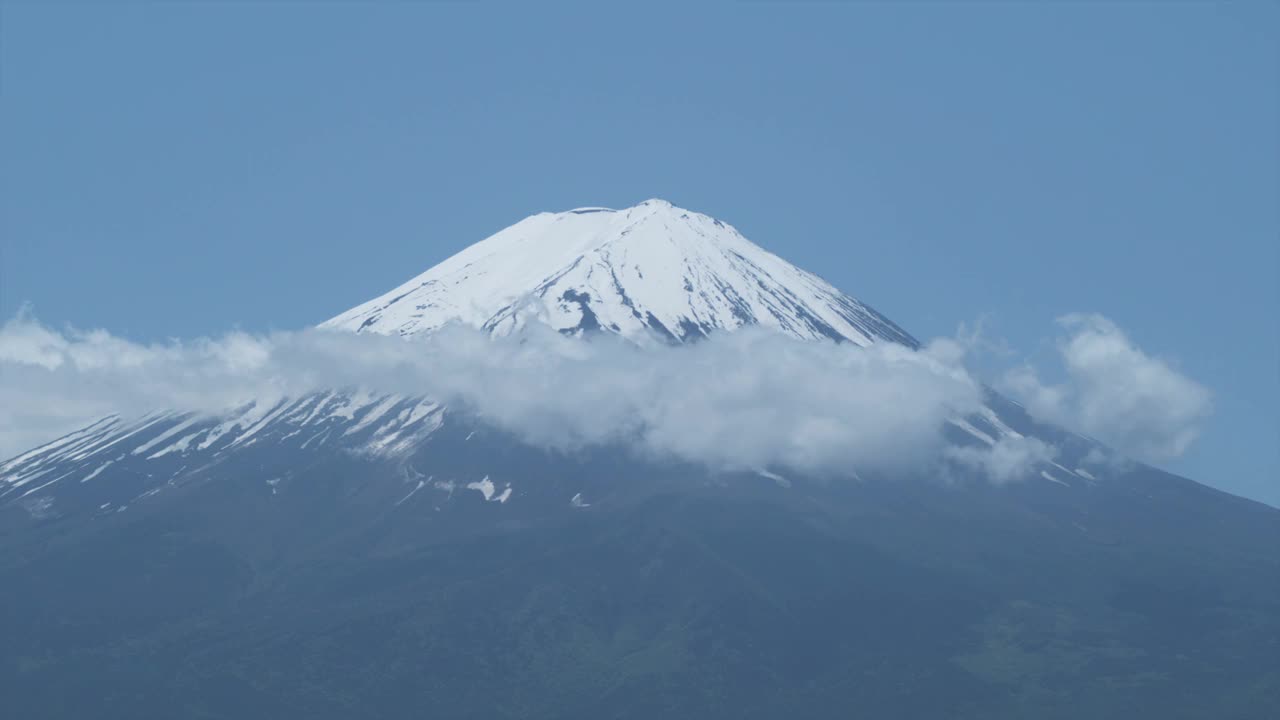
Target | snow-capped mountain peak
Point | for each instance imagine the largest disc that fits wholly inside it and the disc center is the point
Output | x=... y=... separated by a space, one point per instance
x=651 y=269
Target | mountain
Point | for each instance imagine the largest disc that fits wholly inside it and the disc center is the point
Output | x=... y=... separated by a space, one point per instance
x=361 y=554
x=652 y=269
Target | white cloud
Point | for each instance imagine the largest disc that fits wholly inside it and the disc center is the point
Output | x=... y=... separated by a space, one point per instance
x=744 y=400
x=1011 y=458
x=1115 y=392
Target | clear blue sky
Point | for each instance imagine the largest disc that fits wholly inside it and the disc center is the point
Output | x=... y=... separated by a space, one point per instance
x=179 y=170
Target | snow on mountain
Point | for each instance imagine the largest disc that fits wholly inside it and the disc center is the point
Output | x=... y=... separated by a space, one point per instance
x=650 y=272
x=141 y=457
x=652 y=269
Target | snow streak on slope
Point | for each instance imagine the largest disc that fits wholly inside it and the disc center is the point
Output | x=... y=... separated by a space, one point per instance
x=385 y=425
x=653 y=269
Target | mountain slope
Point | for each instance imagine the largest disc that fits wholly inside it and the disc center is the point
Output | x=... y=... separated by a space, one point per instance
x=649 y=269
x=348 y=588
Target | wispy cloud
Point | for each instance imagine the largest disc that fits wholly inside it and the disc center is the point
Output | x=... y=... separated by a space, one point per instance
x=1115 y=392
x=750 y=399
x=1009 y=459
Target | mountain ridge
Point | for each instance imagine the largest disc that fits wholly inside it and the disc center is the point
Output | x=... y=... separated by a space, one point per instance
x=653 y=269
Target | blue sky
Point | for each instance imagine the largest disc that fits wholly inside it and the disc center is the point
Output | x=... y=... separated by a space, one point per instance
x=173 y=171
